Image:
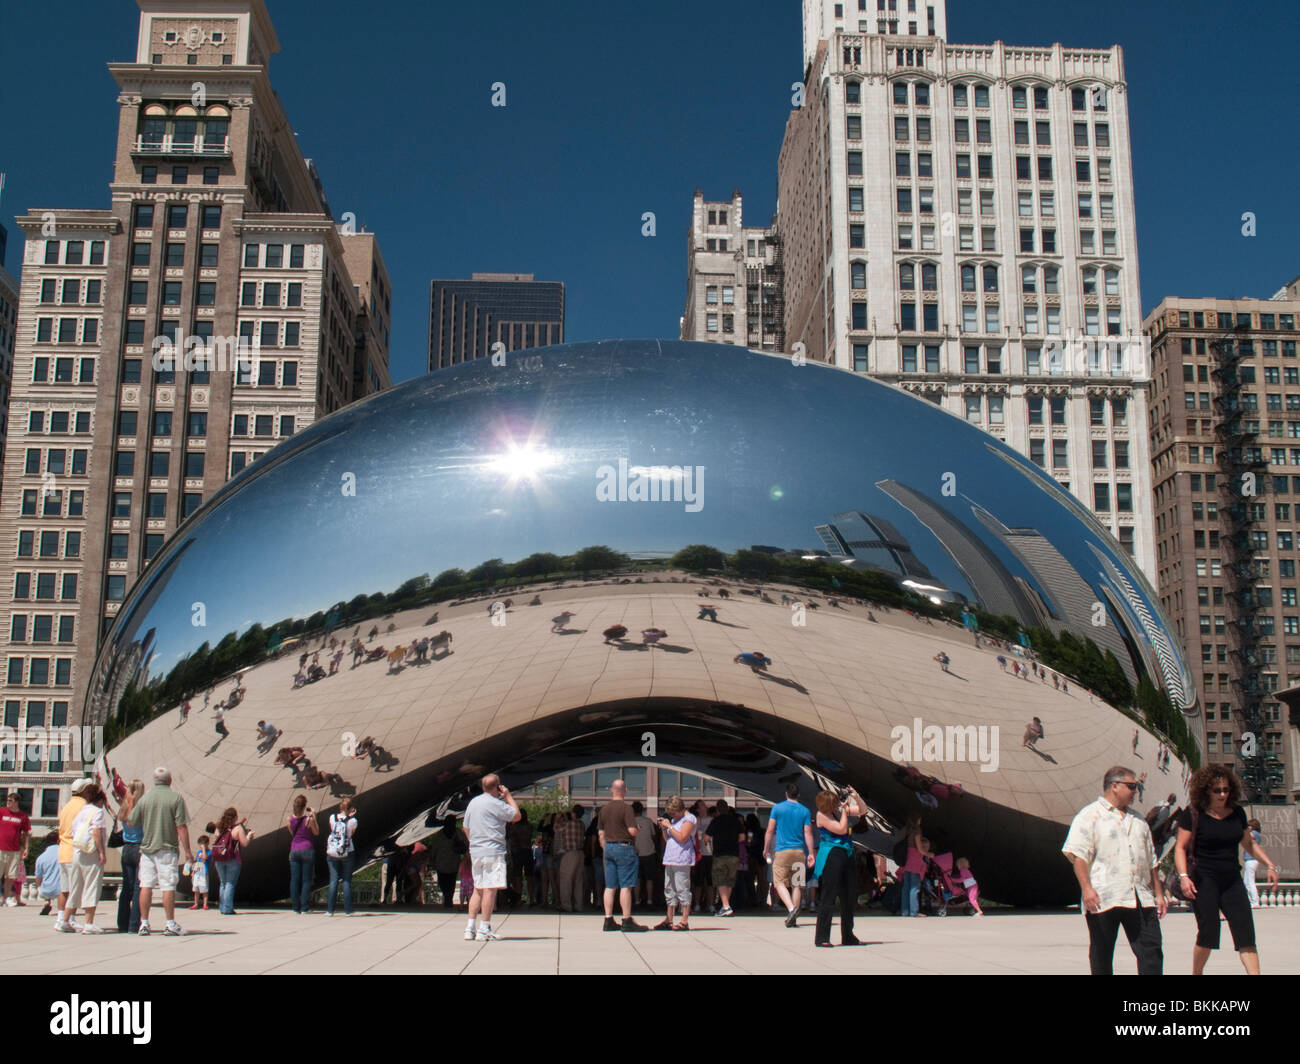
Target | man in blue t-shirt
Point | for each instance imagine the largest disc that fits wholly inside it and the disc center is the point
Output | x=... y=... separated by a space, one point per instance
x=789 y=846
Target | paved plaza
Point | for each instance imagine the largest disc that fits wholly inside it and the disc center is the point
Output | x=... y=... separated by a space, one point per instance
x=276 y=941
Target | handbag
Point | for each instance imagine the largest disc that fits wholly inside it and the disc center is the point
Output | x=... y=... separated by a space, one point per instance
x=115 y=839
x=1173 y=881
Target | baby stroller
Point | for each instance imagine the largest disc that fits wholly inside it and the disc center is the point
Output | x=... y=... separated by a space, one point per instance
x=938 y=889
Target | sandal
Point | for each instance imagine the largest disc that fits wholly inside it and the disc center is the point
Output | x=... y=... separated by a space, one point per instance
x=681 y=927
x=663 y=925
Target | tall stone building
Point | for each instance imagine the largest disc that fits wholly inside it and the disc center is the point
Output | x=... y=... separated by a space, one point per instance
x=733 y=278
x=1225 y=450
x=219 y=247
x=8 y=336
x=958 y=220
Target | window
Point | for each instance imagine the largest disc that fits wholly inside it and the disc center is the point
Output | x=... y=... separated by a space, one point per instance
x=287 y=421
x=981 y=96
x=251 y=252
x=1044 y=168
x=156 y=504
x=211 y=216
x=274 y=255
x=174 y=254
x=855 y=162
x=193 y=464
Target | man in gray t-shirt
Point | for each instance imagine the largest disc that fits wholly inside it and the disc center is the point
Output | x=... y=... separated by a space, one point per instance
x=486 y=819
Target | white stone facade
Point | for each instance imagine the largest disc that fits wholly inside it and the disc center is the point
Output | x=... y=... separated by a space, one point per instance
x=958 y=220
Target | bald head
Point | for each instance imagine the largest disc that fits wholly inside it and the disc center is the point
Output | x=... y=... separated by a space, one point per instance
x=491 y=782
x=618 y=789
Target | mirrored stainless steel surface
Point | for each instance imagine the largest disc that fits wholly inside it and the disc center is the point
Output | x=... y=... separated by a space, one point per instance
x=531 y=522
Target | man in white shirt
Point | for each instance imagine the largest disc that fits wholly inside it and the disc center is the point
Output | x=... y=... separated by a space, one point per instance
x=486 y=819
x=1115 y=864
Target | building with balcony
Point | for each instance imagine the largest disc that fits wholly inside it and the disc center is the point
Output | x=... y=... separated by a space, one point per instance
x=164 y=344
x=733 y=278
x=1225 y=453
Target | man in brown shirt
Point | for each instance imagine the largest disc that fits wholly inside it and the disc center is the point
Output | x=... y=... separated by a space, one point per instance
x=618 y=828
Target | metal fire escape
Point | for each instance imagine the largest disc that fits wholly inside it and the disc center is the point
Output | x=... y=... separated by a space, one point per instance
x=1245 y=484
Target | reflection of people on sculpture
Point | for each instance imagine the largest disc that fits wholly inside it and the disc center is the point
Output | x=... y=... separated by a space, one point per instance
x=440 y=642
x=536 y=600
x=615 y=633
x=560 y=622
x=723 y=593
x=755 y=659
x=313 y=777
x=395 y=657
x=650 y=636
x=1033 y=732
x=290 y=756
x=943 y=660
x=364 y=746
x=372 y=633
x=708 y=613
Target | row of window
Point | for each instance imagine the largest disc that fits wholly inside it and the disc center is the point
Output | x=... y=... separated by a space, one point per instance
x=925 y=168
x=69 y=331
x=58 y=460
x=50 y=503
x=992 y=364
x=161 y=424
x=74 y=252
x=155 y=504
x=176 y=215
x=1241 y=319
x=58 y=422
x=262 y=425
x=159 y=465
x=42 y=628
x=48 y=543
x=35 y=672
x=180 y=175
x=51 y=797
x=274 y=294
x=45 y=585
x=264 y=333
x=68 y=291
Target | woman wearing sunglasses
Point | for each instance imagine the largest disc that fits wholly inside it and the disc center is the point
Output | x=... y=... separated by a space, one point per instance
x=1210 y=831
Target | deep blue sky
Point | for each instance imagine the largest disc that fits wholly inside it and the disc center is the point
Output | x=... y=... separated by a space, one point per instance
x=614 y=110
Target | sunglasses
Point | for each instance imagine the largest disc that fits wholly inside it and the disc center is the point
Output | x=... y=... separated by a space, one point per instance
x=1221 y=790
x=1131 y=784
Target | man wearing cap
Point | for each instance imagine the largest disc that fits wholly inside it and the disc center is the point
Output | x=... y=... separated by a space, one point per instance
x=164 y=825
x=66 y=816
x=15 y=830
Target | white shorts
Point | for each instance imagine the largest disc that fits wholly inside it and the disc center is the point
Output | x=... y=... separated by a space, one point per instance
x=199 y=883
x=489 y=871
x=159 y=869
x=65 y=877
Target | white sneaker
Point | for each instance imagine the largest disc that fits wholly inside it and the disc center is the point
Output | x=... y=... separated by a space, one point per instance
x=60 y=925
x=469 y=934
x=172 y=928
x=486 y=934
x=91 y=929
x=144 y=929
x=11 y=902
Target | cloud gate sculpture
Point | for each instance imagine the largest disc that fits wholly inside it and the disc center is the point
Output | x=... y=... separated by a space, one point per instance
x=468 y=573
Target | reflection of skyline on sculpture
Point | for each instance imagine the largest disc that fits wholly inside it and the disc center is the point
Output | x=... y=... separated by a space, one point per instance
x=511 y=468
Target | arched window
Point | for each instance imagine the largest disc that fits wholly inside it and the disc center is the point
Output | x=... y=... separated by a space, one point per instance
x=990 y=278
x=907 y=277
x=929 y=277
x=968 y=278
x=853 y=91
x=858 y=274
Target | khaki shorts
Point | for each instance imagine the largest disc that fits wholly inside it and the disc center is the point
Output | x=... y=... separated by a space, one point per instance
x=9 y=862
x=159 y=870
x=789 y=868
x=724 y=871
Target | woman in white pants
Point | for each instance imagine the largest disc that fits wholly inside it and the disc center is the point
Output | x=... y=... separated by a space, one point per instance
x=89 y=834
x=1252 y=866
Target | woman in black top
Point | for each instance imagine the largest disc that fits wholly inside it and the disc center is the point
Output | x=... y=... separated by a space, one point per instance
x=1209 y=832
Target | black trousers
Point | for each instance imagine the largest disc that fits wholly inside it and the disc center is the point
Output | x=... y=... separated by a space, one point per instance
x=447 y=885
x=1222 y=890
x=1141 y=925
x=839 y=879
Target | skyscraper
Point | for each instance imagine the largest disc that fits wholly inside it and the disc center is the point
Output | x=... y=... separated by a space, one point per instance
x=218 y=248
x=958 y=220
x=466 y=318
